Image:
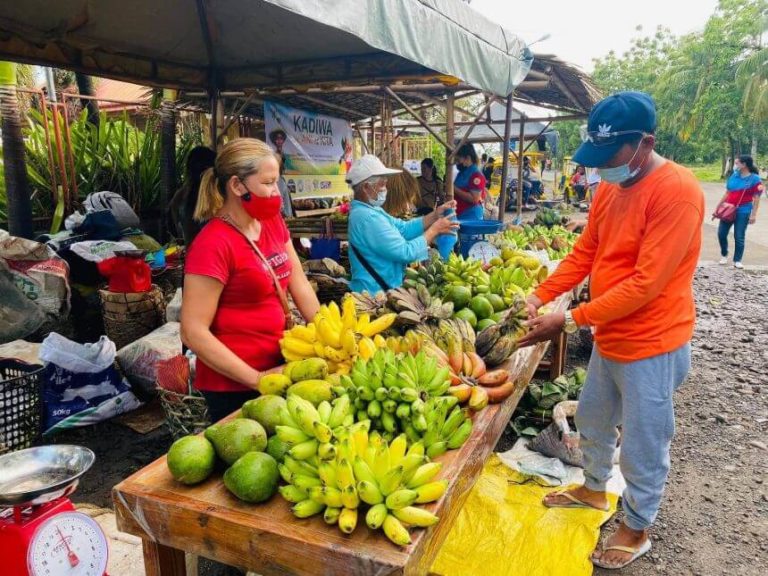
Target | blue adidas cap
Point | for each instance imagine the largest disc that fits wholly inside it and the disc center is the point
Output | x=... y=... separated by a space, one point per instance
x=613 y=122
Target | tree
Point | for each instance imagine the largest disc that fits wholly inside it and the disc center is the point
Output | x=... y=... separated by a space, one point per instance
x=14 y=164
x=85 y=88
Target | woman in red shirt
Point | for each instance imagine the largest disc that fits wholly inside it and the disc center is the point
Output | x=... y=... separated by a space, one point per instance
x=232 y=316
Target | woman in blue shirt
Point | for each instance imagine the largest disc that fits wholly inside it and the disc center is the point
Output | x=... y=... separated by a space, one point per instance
x=382 y=246
x=743 y=190
x=469 y=185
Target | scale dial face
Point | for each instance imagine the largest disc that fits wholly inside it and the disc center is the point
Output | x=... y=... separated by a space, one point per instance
x=68 y=544
x=483 y=251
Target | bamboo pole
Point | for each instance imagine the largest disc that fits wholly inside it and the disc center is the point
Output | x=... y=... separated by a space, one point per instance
x=505 y=155
x=449 y=134
x=520 y=158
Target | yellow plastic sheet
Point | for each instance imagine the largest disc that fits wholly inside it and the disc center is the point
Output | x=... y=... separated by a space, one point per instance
x=504 y=530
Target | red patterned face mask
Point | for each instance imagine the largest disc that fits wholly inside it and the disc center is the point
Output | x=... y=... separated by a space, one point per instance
x=261 y=207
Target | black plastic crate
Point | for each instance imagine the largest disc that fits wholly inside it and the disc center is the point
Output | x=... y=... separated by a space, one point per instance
x=21 y=404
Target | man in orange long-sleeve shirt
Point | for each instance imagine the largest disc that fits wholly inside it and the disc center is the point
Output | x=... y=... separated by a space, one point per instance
x=640 y=249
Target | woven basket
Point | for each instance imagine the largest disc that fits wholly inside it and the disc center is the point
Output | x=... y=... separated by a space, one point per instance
x=130 y=315
x=21 y=404
x=184 y=413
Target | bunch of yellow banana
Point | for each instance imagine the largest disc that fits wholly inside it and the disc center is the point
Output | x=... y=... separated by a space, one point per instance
x=339 y=335
x=365 y=470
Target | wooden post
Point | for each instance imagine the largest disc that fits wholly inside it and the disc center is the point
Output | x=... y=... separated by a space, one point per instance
x=161 y=560
x=505 y=154
x=373 y=137
x=520 y=158
x=449 y=136
x=167 y=153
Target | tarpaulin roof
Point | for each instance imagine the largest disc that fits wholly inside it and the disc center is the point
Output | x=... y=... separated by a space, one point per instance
x=484 y=133
x=247 y=44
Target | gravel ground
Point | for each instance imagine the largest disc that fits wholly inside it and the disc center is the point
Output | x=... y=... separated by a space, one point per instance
x=714 y=518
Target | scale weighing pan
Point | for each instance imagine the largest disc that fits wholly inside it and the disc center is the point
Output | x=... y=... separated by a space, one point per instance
x=38 y=475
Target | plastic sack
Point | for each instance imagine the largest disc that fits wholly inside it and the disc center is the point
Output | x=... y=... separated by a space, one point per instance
x=99 y=250
x=126 y=274
x=173 y=310
x=38 y=273
x=558 y=440
x=19 y=316
x=81 y=385
x=138 y=360
x=503 y=529
x=28 y=352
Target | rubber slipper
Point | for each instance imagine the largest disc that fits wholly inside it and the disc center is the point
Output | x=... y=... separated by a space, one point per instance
x=574 y=503
x=636 y=553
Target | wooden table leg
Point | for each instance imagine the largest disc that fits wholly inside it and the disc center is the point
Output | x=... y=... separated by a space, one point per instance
x=559 y=348
x=162 y=560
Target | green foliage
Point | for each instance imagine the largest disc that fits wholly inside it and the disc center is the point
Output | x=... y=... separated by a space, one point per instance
x=700 y=82
x=114 y=156
x=707 y=172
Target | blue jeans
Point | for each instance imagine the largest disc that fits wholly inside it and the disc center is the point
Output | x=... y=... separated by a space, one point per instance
x=638 y=397
x=739 y=231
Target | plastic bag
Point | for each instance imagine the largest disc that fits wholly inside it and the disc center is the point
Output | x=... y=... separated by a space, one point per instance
x=88 y=358
x=99 y=250
x=138 y=360
x=38 y=273
x=19 y=316
x=503 y=529
x=81 y=385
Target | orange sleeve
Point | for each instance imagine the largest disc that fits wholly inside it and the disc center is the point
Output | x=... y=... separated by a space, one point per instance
x=574 y=268
x=666 y=242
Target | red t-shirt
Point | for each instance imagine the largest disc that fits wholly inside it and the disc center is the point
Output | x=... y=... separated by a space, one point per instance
x=249 y=319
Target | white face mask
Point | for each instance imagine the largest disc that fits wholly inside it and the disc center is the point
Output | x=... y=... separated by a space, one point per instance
x=381 y=197
x=620 y=174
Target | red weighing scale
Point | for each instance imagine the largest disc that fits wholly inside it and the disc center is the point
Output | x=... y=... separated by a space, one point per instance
x=41 y=533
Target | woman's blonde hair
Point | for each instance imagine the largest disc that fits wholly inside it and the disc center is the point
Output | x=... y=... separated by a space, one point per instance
x=240 y=157
x=402 y=194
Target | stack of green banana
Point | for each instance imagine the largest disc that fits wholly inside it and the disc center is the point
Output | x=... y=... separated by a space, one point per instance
x=398 y=392
x=466 y=272
x=428 y=274
x=309 y=431
x=366 y=470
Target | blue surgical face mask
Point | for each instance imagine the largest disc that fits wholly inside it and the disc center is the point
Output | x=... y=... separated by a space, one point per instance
x=620 y=174
x=381 y=197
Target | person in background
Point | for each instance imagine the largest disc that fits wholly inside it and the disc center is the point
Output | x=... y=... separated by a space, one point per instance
x=469 y=185
x=182 y=206
x=234 y=308
x=402 y=195
x=430 y=188
x=488 y=171
x=382 y=246
x=579 y=183
x=640 y=250
x=285 y=194
x=743 y=190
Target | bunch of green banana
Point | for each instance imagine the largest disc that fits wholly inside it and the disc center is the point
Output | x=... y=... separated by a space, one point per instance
x=448 y=426
x=429 y=274
x=391 y=390
x=309 y=431
x=498 y=342
x=513 y=281
x=466 y=272
x=390 y=478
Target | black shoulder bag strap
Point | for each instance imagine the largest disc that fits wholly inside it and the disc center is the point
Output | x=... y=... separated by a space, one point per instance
x=375 y=275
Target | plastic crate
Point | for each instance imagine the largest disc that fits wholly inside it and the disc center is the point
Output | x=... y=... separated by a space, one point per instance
x=472 y=231
x=21 y=404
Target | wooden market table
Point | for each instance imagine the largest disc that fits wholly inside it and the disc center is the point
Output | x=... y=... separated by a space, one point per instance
x=266 y=538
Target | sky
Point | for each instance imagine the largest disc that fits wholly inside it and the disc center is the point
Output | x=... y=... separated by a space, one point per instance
x=585 y=29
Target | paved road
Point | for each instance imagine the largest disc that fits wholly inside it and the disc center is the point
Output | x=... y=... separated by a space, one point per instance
x=756 y=251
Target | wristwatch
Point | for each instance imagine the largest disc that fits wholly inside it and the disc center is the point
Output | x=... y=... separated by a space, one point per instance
x=570 y=326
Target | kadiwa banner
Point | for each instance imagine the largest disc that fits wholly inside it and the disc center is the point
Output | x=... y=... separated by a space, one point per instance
x=317 y=150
